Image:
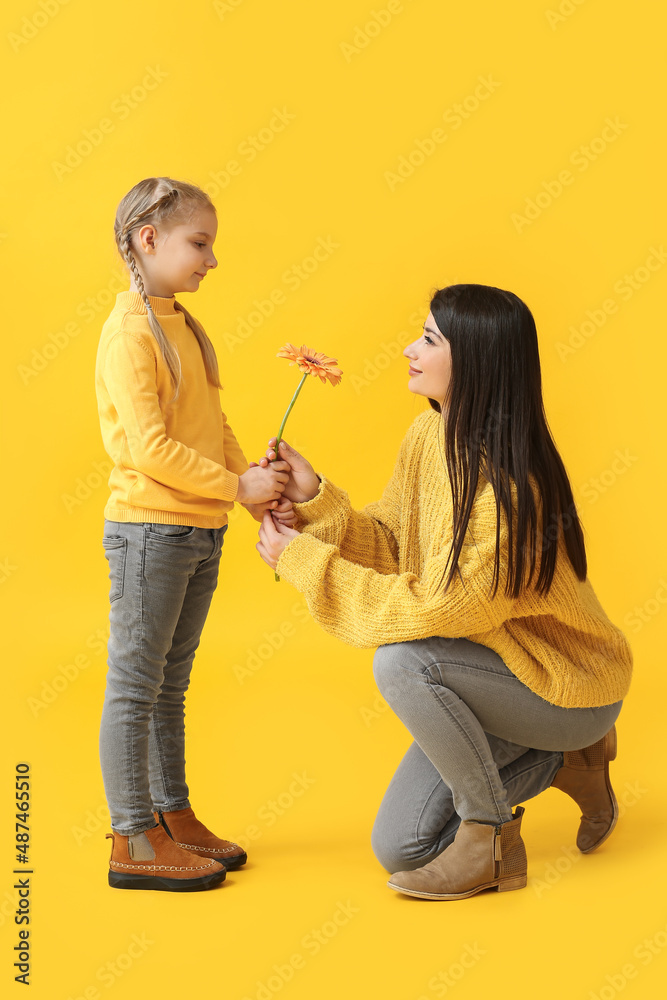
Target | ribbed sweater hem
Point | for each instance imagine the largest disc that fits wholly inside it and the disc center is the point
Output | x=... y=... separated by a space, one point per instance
x=139 y=515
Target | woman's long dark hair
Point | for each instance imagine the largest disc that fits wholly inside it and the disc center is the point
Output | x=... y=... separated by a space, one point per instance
x=495 y=423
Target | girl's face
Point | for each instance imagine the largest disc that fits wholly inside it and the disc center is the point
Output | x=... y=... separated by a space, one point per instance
x=176 y=259
x=430 y=360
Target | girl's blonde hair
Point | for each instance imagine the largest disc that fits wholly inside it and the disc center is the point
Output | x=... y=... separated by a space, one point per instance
x=163 y=202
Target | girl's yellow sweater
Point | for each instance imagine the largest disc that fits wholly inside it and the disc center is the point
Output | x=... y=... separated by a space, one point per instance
x=376 y=576
x=174 y=462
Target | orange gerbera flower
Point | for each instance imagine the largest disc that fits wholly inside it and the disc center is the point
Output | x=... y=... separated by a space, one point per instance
x=309 y=363
x=312 y=363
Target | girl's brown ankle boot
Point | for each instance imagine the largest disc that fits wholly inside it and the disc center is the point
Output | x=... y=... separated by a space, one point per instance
x=186 y=830
x=151 y=860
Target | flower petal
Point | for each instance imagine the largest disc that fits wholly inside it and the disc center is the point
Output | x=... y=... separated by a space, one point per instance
x=311 y=362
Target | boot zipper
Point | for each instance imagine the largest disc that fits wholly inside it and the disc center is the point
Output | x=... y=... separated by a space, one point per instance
x=497 y=853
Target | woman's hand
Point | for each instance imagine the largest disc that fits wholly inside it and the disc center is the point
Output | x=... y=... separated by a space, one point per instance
x=285 y=514
x=282 y=512
x=273 y=540
x=303 y=483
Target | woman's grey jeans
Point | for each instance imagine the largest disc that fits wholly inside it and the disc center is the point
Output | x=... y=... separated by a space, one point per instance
x=162 y=580
x=483 y=742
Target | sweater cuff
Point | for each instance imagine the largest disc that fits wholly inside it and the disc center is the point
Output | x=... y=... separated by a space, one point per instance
x=231 y=486
x=328 y=504
x=299 y=562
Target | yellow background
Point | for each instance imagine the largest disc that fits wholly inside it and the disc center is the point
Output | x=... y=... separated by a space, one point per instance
x=363 y=94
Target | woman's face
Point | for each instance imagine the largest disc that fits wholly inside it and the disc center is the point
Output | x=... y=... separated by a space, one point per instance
x=430 y=363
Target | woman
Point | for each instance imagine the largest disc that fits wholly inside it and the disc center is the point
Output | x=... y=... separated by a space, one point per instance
x=470 y=576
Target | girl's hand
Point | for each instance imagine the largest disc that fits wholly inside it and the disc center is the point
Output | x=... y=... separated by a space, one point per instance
x=273 y=540
x=262 y=483
x=256 y=510
x=303 y=483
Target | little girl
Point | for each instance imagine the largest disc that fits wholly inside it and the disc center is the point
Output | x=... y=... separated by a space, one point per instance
x=177 y=471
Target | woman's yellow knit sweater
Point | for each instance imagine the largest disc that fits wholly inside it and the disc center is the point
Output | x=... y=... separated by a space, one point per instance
x=375 y=577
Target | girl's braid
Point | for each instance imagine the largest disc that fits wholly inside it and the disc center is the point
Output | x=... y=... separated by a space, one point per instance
x=125 y=245
x=163 y=208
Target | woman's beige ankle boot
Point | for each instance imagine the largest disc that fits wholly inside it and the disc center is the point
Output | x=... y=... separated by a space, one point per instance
x=481 y=857
x=584 y=776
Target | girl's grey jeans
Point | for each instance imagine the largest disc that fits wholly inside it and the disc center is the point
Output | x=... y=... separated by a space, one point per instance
x=483 y=742
x=162 y=580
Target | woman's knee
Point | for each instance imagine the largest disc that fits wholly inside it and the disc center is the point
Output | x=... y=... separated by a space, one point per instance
x=400 y=855
x=390 y=860
x=396 y=667
x=393 y=854
x=387 y=667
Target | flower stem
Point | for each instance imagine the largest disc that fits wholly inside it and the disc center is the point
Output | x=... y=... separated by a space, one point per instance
x=282 y=428
x=289 y=410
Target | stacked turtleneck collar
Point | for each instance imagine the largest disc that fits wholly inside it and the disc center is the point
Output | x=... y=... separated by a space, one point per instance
x=133 y=302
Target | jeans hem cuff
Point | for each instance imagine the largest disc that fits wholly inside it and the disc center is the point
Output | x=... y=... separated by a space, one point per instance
x=173 y=807
x=134 y=832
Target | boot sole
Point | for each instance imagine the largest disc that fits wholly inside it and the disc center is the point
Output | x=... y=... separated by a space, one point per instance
x=118 y=880
x=610 y=752
x=614 y=820
x=518 y=882
x=231 y=864
x=611 y=749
